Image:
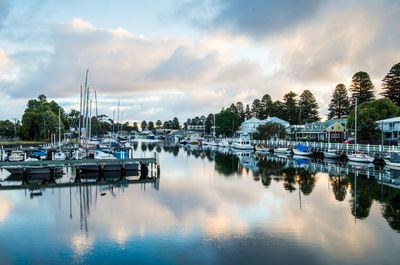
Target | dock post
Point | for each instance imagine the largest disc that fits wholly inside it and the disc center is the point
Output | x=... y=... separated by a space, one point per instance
x=101 y=173
x=144 y=171
x=77 y=175
x=123 y=172
x=25 y=179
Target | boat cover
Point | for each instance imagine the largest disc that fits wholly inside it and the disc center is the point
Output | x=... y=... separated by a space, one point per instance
x=395 y=157
x=302 y=148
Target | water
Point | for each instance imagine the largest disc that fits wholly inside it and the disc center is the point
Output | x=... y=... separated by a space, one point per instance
x=207 y=208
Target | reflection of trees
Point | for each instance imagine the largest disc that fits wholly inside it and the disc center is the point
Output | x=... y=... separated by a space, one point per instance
x=363 y=199
x=226 y=164
x=158 y=149
x=306 y=180
x=391 y=212
x=143 y=146
x=339 y=187
x=269 y=168
x=135 y=145
x=289 y=179
x=150 y=146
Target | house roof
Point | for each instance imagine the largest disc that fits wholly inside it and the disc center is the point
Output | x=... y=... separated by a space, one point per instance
x=395 y=119
x=319 y=127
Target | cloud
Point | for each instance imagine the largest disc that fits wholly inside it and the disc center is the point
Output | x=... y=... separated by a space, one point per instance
x=4 y=10
x=256 y=19
x=5 y=62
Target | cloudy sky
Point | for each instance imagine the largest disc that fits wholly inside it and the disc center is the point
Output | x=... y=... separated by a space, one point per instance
x=191 y=57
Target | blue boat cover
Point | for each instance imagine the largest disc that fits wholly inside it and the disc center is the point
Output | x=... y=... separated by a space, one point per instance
x=301 y=162
x=302 y=148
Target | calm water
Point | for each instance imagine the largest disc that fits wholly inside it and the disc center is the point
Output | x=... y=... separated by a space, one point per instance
x=207 y=208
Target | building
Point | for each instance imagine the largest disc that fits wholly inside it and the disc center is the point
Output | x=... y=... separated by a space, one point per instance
x=250 y=126
x=199 y=128
x=391 y=128
x=321 y=131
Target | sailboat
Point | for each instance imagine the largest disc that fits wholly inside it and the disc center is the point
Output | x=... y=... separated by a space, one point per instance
x=59 y=155
x=359 y=156
x=331 y=153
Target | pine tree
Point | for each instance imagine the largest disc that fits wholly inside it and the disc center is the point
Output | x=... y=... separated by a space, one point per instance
x=256 y=108
x=340 y=103
x=362 y=88
x=391 y=84
x=247 y=112
x=291 y=107
x=266 y=105
x=308 y=107
x=240 y=109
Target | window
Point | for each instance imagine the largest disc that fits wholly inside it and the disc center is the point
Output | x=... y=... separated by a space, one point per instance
x=333 y=136
x=338 y=135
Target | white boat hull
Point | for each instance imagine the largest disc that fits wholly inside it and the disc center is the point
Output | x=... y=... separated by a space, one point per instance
x=391 y=164
x=301 y=153
x=243 y=146
x=282 y=151
x=362 y=159
x=330 y=155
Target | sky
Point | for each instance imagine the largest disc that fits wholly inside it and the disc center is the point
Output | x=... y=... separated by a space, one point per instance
x=187 y=58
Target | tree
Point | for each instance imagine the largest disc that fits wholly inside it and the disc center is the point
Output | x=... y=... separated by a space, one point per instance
x=361 y=88
x=226 y=122
x=391 y=84
x=269 y=130
x=247 y=112
x=308 y=107
x=290 y=107
x=150 y=126
x=7 y=128
x=233 y=108
x=209 y=123
x=368 y=113
x=256 y=108
x=339 y=106
x=158 y=123
x=240 y=111
x=135 y=126
x=266 y=106
x=143 y=125
x=175 y=123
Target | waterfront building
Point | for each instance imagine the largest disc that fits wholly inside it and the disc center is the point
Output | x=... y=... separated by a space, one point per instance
x=198 y=128
x=250 y=126
x=391 y=128
x=321 y=131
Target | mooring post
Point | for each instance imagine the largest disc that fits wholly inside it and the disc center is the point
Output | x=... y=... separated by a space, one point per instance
x=144 y=171
x=25 y=179
x=101 y=173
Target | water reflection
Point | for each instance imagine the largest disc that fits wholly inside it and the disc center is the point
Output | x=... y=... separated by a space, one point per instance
x=215 y=206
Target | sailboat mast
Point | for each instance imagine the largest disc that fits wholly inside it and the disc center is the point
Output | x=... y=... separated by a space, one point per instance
x=85 y=102
x=122 y=119
x=118 y=118
x=59 y=127
x=87 y=112
x=90 y=120
x=80 y=115
x=355 y=126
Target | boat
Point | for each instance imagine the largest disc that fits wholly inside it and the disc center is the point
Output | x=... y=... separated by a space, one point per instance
x=121 y=153
x=392 y=160
x=302 y=150
x=243 y=143
x=360 y=157
x=103 y=155
x=331 y=154
x=214 y=143
x=224 y=143
x=16 y=156
x=19 y=170
x=261 y=148
x=59 y=156
x=282 y=151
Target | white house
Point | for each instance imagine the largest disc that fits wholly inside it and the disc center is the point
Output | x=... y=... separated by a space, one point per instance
x=250 y=126
x=391 y=128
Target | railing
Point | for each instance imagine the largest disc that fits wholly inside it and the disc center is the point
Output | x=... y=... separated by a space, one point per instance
x=337 y=146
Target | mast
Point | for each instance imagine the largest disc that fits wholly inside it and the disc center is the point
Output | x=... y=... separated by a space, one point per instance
x=90 y=120
x=113 y=122
x=80 y=115
x=118 y=118
x=85 y=102
x=122 y=118
x=87 y=112
x=214 y=127
x=97 y=114
x=59 y=127
x=355 y=126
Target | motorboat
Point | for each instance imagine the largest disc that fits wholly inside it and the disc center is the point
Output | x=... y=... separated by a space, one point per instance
x=16 y=156
x=19 y=170
x=214 y=143
x=59 y=156
x=282 y=151
x=302 y=150
x=243 y=143
x=103 y=155
x=392 y=160
x=261 y=148
x=333 y=154
x=224 y=143
x=360 y=157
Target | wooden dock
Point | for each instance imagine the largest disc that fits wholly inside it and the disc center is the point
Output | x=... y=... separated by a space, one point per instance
x=149 y=160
